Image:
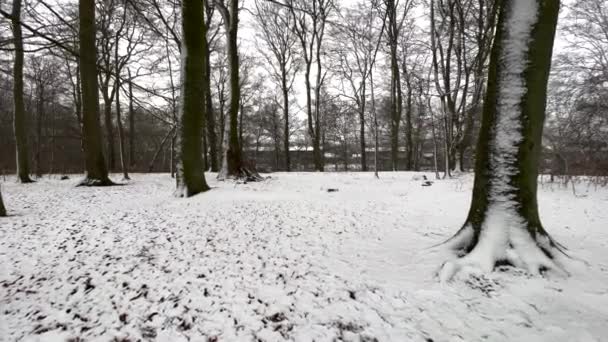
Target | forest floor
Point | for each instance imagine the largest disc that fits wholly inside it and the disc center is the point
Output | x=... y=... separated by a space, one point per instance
x=284 y=259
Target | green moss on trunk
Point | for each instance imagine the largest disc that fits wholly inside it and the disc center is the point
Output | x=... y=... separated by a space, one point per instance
x=190 y=171
x=95 y=166
x=522 y=188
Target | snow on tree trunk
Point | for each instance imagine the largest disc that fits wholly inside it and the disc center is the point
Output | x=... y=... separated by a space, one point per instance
x=503 y=225
x=190 y=169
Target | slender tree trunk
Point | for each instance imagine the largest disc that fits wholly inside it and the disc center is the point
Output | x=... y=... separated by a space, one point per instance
x=362 y=128
x=96 y=173
x=233 y=165
x=409 y=142
x=19 y=124
x=210 y=125
x=503 y=224
x=121 y=135
x=286 y=132
x=371 y=82
x=107 y=110
x=190 y=179
x=160 y=148
x=131 y=123
x=39 y=119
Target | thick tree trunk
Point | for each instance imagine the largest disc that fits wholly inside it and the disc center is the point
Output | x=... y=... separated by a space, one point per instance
x=232 y=152
x=190 y=173
x=96 y=173
x=2 y=208
x=503 y=225
x=23 y=170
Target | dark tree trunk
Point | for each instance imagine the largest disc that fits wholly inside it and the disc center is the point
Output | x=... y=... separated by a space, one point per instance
x=232 y=152
x=131 y=123
x=396 y=93
x=286 y=132
x=210 y=124
x=39 y=119
x=19 y=124
x=96 y=173
x=107 y=111
x=233 y=165
x=409 y=141
x=121 y=134
x=362 y=108
x=2 y=208
x=503 y=225
x=190 y=173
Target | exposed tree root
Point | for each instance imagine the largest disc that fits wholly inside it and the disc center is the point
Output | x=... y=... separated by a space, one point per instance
x=244 y=173
x=511 y=246
x=86 y=181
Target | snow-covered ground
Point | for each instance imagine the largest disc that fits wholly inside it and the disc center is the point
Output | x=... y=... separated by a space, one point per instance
x=283 y=260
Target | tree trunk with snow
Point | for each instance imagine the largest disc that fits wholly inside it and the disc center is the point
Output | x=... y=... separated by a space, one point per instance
x=190 y=172
x=96 y=173
x=23 y=170
x=503 y=225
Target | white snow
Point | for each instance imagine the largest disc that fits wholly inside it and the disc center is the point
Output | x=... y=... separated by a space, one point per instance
x=503 y=233
x=283 y=260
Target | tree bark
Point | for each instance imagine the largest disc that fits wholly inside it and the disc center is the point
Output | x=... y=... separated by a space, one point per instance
x=39 y=118
x=233 y=165
x=107 y=114
x=503 y=225
x=396 y=93
x=131 y=123
x=2 y=208
x=286 y=132
x=232 y=153
x=121 y=134
x=19 y=124
x=96 y=173
x=190 y=173
x=210 y=124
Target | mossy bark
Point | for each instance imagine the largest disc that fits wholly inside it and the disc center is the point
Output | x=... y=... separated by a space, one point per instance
x=23 y=170
x=190 y=169
x=96 y=173
x=522 y=188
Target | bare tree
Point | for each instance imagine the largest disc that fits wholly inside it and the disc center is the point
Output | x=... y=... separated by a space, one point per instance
x=96 y=173
x=356 y=47
x=503 y=224
x=273 y=19
x=309 y=24
x=23 y=170
x=190 y=178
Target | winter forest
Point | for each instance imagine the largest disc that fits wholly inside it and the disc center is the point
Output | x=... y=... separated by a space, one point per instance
x=303 y=170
